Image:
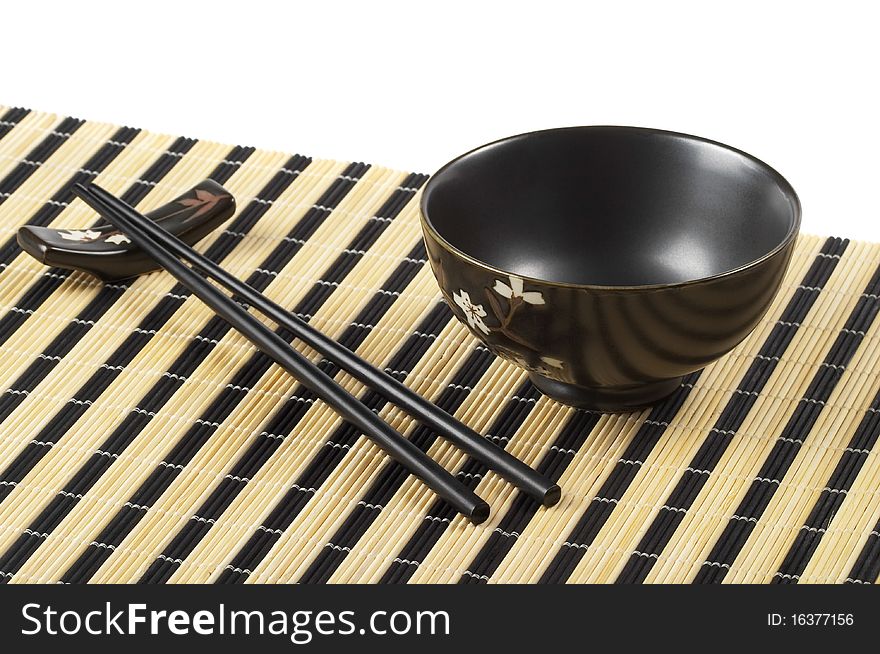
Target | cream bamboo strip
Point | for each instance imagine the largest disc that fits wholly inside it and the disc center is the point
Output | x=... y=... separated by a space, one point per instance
x=132 y=161
x=816 y=459
x=287 y=457
x=617 y=427
x=778 y=530
x=124 y=391
x=272 y=481
x=19 y=141
x=743 y=457
x=71 y=296
x=321 y=518
x=545 y=534
x=856 y=518
x=127 y=471
x=469 y=543
x=330 y=498
x=439 y=359
x=777 y=533
x=849 y=529
x=460 y=542
x=161 y=531
x=406 y=510
x=253 y=166
x=350 y=491
x=36 y=133
x=415 y=502
x=179 y=502
x=329 y=422
x=40 y=405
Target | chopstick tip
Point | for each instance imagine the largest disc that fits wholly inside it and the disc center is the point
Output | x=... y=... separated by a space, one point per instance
x=480 y=513
x=552 y=496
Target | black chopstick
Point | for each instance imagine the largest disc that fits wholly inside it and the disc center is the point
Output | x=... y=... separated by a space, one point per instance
x=496 y=458
x=440 y=480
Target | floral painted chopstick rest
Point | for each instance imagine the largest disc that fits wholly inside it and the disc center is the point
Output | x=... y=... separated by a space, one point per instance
x=106 y=253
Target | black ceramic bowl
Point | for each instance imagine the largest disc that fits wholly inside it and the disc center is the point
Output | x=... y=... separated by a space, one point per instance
x=609 y=261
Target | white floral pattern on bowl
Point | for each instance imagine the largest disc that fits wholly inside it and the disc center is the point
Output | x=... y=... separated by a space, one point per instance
x=501 y=334
x=474 y=313
x=515 y=291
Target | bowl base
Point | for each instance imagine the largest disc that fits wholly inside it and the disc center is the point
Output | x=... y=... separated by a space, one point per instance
x=606 y=399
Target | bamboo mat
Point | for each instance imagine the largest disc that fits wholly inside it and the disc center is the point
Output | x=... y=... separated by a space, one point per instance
x=143 y=441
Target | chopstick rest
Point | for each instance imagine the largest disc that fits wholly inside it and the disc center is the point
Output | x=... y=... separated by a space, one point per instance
x=106 y=253
x=441 y=481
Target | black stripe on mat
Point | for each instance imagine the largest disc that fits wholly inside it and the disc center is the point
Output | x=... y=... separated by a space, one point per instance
x=265 y=445
x=722 y=433
x=621 y=476
x=322 y=465
x=37 y=156
x=553 y=464
x=867 y=566
x=832 y=496
x=789 y=442
x=37 y=293
x=157 y=171
x=91 y=389
x=27 y=167
x=10 y=119
x=393 y=475
x=441 y=514
x=222 y=405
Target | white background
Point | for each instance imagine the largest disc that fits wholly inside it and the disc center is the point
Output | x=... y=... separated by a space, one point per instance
x=411 y=84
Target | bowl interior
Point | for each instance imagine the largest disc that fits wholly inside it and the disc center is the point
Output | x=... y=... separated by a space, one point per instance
x=611 y=206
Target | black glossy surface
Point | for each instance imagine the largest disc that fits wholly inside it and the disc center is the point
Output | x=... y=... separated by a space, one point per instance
x=610 y=206
x=104 y=252
x=609 y=262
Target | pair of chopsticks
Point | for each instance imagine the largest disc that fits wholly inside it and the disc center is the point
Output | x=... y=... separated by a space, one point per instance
x=167 y=250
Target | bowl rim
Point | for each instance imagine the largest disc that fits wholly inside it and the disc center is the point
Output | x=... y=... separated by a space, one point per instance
x=784 y=185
